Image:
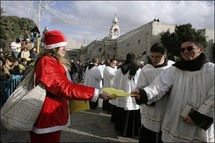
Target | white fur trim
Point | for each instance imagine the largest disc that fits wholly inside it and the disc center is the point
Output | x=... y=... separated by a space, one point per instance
x=51 y=129
x=48 y=130
x=52 y=46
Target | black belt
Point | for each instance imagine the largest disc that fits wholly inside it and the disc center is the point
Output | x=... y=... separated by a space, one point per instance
x=49 y=94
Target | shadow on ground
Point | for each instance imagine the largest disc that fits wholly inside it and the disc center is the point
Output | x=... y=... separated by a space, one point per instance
x=86 y=126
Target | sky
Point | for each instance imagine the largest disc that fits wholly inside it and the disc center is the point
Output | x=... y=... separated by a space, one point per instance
x=86 y=21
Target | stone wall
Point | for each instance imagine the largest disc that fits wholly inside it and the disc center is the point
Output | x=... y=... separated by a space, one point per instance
x=137 y=41
x=140 y=40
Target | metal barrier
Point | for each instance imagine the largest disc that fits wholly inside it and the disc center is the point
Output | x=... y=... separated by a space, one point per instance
x=7 y=86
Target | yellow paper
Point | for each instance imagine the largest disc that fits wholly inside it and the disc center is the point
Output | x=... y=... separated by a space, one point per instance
x=116 y=92
x=78 y=105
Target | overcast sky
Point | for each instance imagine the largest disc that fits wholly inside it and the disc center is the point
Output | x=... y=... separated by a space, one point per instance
x=91 y=20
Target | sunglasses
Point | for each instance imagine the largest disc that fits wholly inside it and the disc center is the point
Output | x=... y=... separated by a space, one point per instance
x=189 y=48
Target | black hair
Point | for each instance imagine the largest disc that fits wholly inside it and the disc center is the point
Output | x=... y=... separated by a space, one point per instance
x=111 y=60
x=200 y=41
x=18 y=40
x=95 y=60
x=158 y=47
x=130 y=57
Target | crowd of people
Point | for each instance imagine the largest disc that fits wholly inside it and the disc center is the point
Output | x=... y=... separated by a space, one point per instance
x=22 y=56
x=171 y=101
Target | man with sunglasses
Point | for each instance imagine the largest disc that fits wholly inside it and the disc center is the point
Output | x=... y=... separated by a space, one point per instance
x=190 y=108
x=152 y=115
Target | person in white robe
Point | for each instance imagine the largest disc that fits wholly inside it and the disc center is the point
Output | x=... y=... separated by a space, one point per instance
x=127 y=111
x=101 y=67
x=93 y=78
x=109 y=73
x=189 y=111
x=152 y=115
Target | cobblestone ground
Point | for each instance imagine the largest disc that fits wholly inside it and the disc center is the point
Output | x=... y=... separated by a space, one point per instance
x=86 y=126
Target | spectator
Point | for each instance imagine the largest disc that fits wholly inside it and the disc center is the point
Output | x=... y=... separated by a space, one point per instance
x=35 y=33
x=25 y=53
x=33 y=54
x=9 y=61
x=74 y=70
x=23 y=65
x=81 y=71
x=15 y=70
x=2 y=73
x=16 y=47
x=27 y=43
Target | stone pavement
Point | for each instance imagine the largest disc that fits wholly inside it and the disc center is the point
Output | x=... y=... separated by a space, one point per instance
x=86 y=126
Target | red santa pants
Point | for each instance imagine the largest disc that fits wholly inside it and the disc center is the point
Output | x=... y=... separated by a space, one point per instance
x=53 y=137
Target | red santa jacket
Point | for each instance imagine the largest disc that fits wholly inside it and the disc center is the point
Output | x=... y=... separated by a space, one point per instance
x=54 y=114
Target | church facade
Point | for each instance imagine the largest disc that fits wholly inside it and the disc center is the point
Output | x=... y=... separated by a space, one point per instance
x=138 y=41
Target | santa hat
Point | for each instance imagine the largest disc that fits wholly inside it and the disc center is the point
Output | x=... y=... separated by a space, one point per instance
x=54 y=39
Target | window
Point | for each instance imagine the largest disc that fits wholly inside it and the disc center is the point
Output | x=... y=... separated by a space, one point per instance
x=138 y=41
x=100 y=49
x=127 y=44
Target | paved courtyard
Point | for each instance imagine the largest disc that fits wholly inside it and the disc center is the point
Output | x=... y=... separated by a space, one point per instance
x=86 y=126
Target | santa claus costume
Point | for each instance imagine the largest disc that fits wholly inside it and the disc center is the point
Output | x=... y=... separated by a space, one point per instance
x=50 y=71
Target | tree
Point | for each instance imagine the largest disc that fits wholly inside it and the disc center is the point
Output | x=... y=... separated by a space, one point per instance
x=169 y=41
x=173 y=41
x=12 y=27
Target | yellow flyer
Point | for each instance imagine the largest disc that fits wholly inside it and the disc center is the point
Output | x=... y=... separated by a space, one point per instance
x=116 y=92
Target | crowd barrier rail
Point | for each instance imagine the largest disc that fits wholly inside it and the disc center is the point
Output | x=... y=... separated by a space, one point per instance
x=7 y=86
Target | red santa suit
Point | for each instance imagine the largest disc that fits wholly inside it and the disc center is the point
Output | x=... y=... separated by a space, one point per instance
x=54 y=115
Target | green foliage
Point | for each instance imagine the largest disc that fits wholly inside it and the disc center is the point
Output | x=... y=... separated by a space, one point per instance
x=169 y=41
x=12 y=27
x=173 y=41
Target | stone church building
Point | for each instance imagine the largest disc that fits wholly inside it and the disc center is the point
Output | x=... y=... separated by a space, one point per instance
x=138 y=41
